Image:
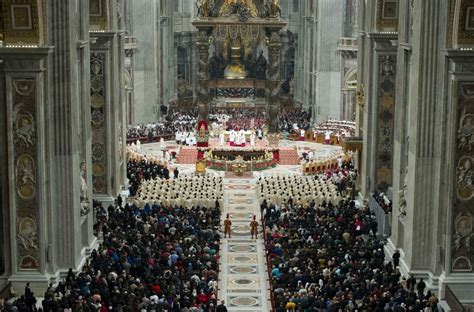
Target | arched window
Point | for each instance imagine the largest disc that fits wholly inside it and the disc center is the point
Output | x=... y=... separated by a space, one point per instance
x=183 y=66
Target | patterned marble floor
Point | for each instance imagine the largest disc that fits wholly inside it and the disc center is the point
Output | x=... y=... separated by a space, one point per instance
x=243 y=277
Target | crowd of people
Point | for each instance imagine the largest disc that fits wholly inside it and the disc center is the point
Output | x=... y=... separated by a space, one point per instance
x=294 y=119
x=324 y=254
x=340 y=128
x=383 y=202
x=160 y=257
x=184 y=121
x=177 y=120
x=185 y=191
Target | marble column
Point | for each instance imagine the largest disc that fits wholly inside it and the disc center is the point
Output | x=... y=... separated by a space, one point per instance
x=419 y=155
x=378 y=77
x=330 y=27
x=25 y=92
x=106 y=107
x=274 y=63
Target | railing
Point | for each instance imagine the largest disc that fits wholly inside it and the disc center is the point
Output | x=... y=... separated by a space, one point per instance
x=453 y=301
x=383 y=218
x=156 y=138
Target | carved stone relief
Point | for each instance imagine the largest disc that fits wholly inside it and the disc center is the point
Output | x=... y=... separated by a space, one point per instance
x=23 y=128
x=25 y=172
x=463 y=201
x=386 y=107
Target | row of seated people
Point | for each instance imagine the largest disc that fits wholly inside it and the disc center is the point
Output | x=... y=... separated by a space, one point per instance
x=329 y=188
x=344 y=127
x=326 y=257
x=331 y=162
x=183 y=120
x=186 y=191
x=161 y=258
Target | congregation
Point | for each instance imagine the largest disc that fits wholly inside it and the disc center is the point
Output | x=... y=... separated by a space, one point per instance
x=323 y=253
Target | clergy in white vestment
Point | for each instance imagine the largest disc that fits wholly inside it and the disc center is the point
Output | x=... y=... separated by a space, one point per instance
x=241 y=137
x=302 y=132
x=222 y=138
x=162 y=142
x=139 y=145
x=252 y=139
x=232 y=137
x=327 y=136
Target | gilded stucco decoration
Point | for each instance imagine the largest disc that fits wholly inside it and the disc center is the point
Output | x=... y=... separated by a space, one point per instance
x=98 y=12
x=462 y=23
x=97 y=63
x=463 y=200
x=23 y=21
x=387 y=15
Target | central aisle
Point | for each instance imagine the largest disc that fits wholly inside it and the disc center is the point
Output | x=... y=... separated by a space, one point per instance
x=243 y=277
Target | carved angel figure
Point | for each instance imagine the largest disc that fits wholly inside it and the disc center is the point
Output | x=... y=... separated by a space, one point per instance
x=24 y=129
x=466 y=131
x=26 y=171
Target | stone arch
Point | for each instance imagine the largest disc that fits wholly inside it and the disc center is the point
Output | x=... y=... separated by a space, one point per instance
x=350 y=79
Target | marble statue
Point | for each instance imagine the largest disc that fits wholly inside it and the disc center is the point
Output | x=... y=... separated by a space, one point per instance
x=261 y=67
x=274 y=125
x=203 y=111
x=84 y=197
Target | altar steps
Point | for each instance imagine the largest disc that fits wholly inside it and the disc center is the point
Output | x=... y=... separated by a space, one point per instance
x=187 y=155
x=289 y=156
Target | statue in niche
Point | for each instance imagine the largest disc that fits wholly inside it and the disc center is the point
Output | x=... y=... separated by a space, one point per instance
x=402 y=194
x=273 y=7
x=274 y=125
x=203 y=8
x=203 y=109
x=261 y=67
x=214 y=67
x=250 y=66
x=85 y=207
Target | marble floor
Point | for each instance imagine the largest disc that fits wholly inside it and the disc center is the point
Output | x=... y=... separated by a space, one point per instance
x=243 y=276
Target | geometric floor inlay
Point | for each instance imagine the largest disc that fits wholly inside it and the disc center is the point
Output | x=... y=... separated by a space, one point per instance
x=243 y=269
x=239 y=187
x=241 y=215
x=240 y=201
x=242 y=248
x=238 y=259
x=243 y=208
x=244 y=301
x=243 y=282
